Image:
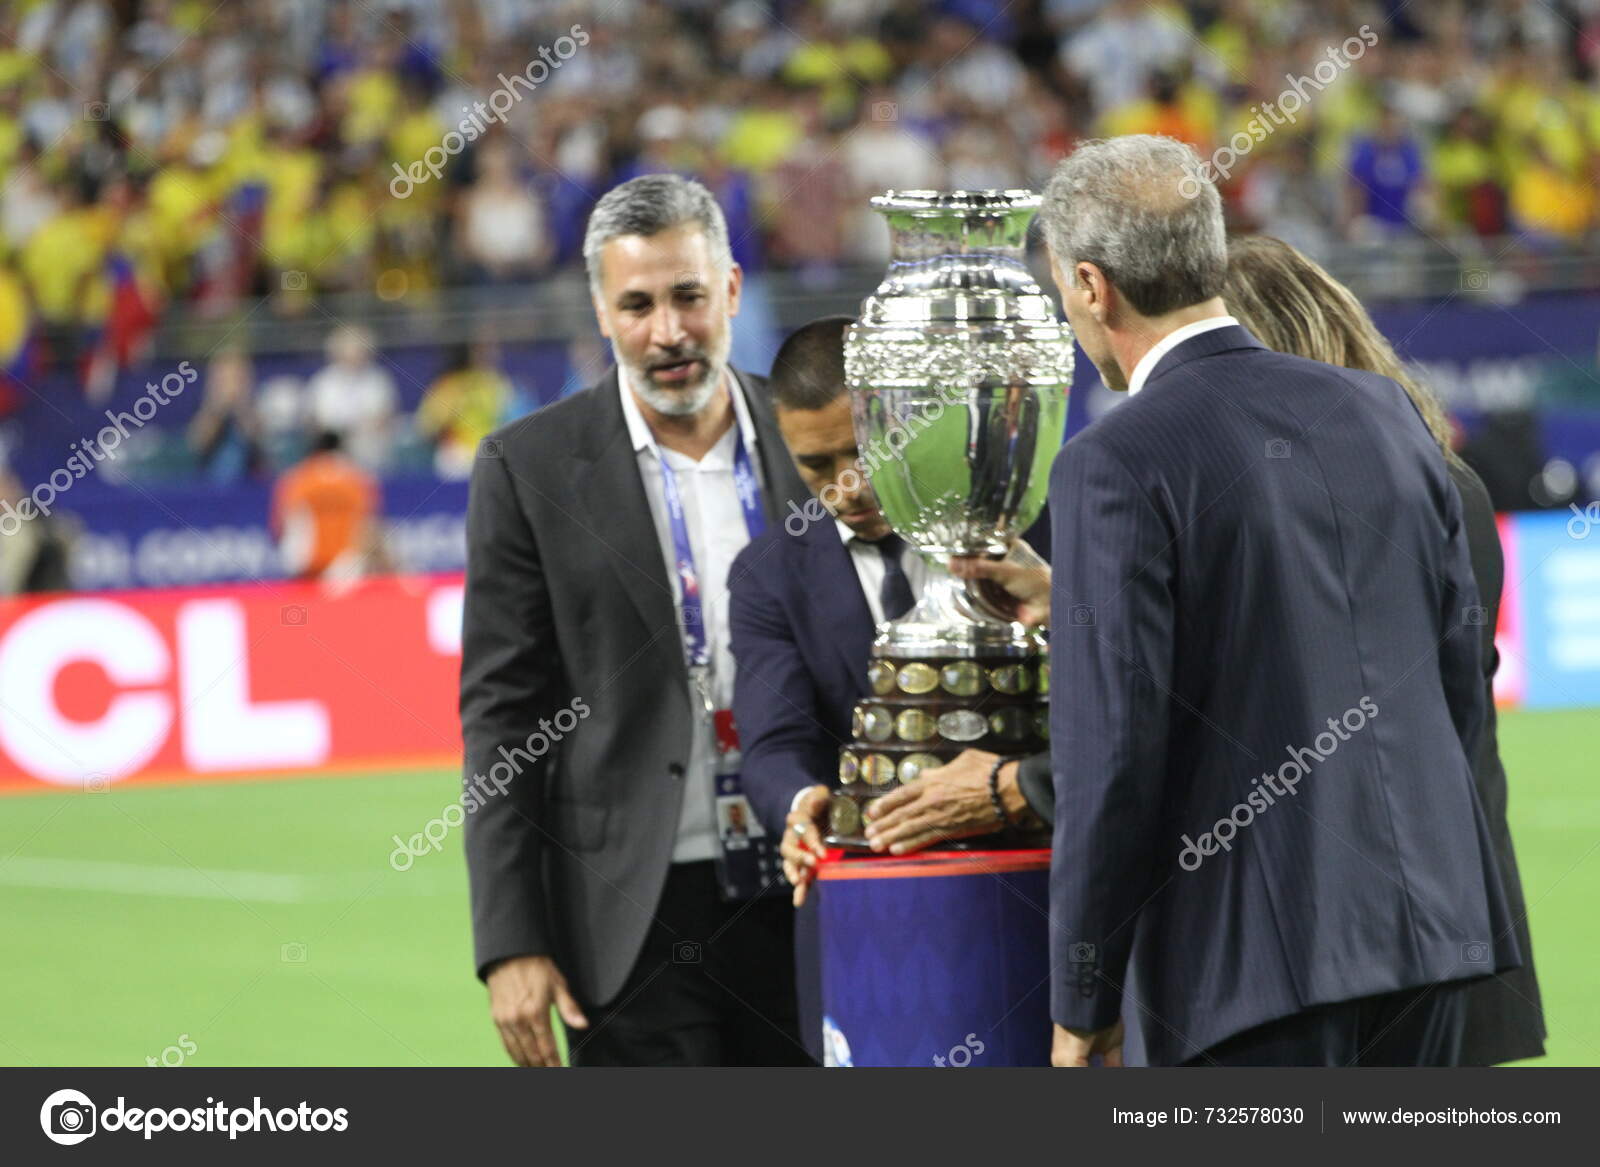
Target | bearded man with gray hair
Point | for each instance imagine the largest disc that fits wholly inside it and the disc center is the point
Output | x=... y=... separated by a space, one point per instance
x=596 y=679
x=1264 y=669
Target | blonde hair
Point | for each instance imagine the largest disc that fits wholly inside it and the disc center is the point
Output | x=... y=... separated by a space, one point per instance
x=1292 y=305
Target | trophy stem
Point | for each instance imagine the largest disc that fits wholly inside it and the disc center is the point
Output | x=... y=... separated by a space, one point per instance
x=953 y=619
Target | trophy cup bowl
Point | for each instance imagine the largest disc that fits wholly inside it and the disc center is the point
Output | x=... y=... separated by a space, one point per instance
x=958 y=371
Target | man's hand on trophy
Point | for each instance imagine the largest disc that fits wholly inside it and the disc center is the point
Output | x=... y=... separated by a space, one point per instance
x=1074 y=1047
x=943 y=803
x=1018 y=585
x=802 y=846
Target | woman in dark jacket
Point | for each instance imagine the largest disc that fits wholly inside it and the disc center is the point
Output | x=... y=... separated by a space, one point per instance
x=1292 y=305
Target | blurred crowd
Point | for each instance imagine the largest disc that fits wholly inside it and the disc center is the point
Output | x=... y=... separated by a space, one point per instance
x=244 y=430
x=162 y=151
x=182 y=157
x=159 y=156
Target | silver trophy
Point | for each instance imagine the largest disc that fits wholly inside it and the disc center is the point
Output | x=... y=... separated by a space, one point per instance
x=959 y=372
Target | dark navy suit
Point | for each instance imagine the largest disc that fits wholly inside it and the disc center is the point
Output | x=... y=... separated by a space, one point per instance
x=801 y=634
x=1251 y=545
x=802 y=637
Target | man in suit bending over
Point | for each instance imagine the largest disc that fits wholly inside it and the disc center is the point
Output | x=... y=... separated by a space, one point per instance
x=806 y=600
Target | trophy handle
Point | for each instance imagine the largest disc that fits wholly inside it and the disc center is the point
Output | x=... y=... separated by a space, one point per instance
x=985 y=597
x=991 y=598
x=956 y=617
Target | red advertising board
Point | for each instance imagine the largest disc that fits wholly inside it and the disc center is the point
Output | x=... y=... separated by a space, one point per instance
x=236 y=681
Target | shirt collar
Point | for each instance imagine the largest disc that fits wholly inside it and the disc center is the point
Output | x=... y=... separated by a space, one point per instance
x=1147 y=363
x=639 y=429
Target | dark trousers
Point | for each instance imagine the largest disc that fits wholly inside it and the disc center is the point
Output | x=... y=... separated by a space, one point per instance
x=713 y=986
x=1414 y=1027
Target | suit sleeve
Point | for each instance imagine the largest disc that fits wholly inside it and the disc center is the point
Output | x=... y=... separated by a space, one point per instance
x=1461 y=665
x=1111 y=644
x=1037 y=786
x=775 y=704
x=510 y=671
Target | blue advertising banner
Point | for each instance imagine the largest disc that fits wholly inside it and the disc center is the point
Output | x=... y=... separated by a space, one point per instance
x=141 y=536
x=1553 y=586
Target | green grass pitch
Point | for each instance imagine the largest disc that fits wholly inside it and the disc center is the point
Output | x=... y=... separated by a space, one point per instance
x=261 y=923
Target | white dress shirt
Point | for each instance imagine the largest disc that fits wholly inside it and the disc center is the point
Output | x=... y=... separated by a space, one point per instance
x=715 y=522
x=868 y=561
x=1147 y=363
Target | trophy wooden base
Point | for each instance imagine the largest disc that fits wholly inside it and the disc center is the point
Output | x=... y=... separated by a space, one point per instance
x=922 y=713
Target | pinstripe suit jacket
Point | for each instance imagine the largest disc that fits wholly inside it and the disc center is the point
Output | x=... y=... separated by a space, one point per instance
x=1266 y=685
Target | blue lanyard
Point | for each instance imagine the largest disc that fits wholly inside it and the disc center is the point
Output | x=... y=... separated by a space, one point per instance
x=696 y=650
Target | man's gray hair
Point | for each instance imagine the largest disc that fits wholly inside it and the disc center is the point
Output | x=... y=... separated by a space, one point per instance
x=1140 y=208
x=648 y=205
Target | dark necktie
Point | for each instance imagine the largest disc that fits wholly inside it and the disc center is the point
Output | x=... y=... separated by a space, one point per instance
x=895 y=594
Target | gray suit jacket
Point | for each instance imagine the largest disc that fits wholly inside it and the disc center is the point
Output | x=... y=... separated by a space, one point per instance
x=569 y=607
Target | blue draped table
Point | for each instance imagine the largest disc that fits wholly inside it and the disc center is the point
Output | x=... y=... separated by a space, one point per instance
x=940 y=958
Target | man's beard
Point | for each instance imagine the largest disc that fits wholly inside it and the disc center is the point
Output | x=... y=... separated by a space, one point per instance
x=686 y=399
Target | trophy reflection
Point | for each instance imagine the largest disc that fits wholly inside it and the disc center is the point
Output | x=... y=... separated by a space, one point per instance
x=958 y=371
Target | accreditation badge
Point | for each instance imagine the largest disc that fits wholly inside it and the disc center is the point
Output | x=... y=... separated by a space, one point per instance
x=747 y=861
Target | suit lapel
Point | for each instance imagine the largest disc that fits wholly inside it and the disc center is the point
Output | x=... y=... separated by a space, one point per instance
x=619 y=512
x=833 y=589
x=780 y=481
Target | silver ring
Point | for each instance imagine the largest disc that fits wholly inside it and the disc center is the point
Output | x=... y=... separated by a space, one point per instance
x=799 y=828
